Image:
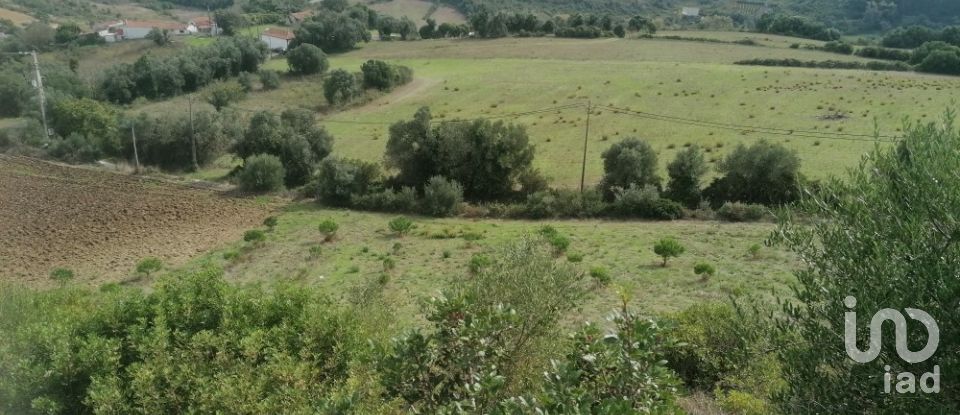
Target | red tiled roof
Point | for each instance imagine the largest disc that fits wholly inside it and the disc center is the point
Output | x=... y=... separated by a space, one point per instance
x=202 y=21
x=279 y=34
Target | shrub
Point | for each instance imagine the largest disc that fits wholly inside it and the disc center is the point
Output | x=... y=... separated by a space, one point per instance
x=478 y=262
x=148 y=266
x=645 y=203
x=270 y=222
x=754 y=251
x=269 y=79
x=388 y=200
x=741 y=212
x=575 y=257
x=261 y=173
x=384 y=76
x=222 y=94
x=328 y=227
x=704 y=270
x=601 y=276
x=764 y=173
x=62 y=275
x=837 y=46
x=293 y=137
x=400 y=226
x=668 y=248
x=307 y=59
x=389 y=264
x=442 y=197
x=560 y=243
x=339 y=180
x=341 y=87
x=254 y=236
x=563 y=203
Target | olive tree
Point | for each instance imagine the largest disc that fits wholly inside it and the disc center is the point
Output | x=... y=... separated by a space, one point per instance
x=629 y=162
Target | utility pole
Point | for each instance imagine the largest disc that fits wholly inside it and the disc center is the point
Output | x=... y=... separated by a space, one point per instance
x=193 y=137
x=136 y=156
x=38 y=83
x=586 y=136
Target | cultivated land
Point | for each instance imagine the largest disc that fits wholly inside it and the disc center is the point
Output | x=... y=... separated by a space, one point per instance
x=101 y=224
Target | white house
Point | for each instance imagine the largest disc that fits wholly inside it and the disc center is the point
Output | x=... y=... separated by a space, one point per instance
x=138 y=29
x=690 y=12
x=277 y=39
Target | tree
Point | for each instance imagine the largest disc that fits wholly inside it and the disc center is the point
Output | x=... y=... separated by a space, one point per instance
x=429 y=30
x=293 y=137
x=335 y=5
x=229 y=21
x=261 y=173
x=159 y=36
x=332 y=32
x=686 y=172
x=764 y=173
x=16 y=92
x=38 y=36
x=224 y=93
x=641 y=24
x=942 y=61
x=620 y=31
x=629 y=162
x=307 y=59
x=704 y=270
x=67 y=33
x=884 y=238
x=668 y=248
x=339 y=180
x=341 y=87
x=86 y=117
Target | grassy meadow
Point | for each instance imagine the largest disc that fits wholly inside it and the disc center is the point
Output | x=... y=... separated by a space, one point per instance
x=438 y=250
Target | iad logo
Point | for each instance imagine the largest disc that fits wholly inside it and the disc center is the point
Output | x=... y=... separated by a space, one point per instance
x=906 y=381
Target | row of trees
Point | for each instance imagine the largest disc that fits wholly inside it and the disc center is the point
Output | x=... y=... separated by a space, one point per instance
x=796 y=26
x=186 y=71
x=493 y=25
x=914 y=36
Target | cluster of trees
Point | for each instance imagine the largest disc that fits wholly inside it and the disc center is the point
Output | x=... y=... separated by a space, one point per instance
x=445 y=30
x=292 y=137
x=40 y=36
x=796 y=26
x=493 y=25
x=341 y=87
x=914 y=36
x=19 y=95
x=337 y=31
x=186 y=71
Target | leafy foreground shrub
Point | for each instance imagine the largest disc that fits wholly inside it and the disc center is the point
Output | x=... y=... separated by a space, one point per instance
x=194 y=344
x=883 y=237
x=261 y=173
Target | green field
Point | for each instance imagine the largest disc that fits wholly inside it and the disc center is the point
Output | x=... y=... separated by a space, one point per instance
x=624 y=248
x=464 y=79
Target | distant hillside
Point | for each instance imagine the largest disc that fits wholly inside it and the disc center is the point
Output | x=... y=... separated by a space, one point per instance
x=855 y=15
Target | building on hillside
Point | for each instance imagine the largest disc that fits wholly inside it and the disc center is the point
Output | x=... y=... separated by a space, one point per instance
x=277 y=39
x=138 y=29
x=296 y=18
x=109 y=35
x=205 y=24
x=690 y=13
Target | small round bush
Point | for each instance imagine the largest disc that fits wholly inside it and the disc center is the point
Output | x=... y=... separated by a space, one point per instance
x=704 y=270
x=478 y=262
x=400 y=226
x=148 y=266
x=600 y=275
x=667 y=248
x=389 y=264
x=577 y=257
x=262 y=173
x=270 y=222
x=307 y=59
x=754 y=251
x=442 y=197
x=559 y=243
x=328 y=227
x=254 y=236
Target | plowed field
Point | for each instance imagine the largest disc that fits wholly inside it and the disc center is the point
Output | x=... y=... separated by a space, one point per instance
x=100 y=224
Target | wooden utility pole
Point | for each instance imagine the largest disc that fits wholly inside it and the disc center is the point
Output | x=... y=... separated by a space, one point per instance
x=136 y=156
x=193 y=137
x=38 y=83
x=586 y=136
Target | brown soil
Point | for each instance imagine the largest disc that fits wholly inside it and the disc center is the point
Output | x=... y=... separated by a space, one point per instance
x=100 y=224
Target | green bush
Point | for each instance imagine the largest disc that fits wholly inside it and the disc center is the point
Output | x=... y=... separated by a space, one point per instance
x=575 y=257
x=293 y=137
x=563 y=203
x=646 y=203
x=560 y=243
x=307 y=59
x=764 y=173
x=704 y=270
x=668 y=248
x=478 y=262
x=148 y=266
x=261 y=173
x=442 y=197
x=341 y=180
x=270 y=222
x=329 y=228
x=741 y=212
x=388 y=200
x=629 y=163
x=270 y=80
x=254 y=236
x=601 y=276
x=341 y=88
x=384 y=76
x=400 y=226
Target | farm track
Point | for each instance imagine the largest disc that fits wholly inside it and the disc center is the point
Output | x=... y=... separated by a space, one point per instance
x=100 y=224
